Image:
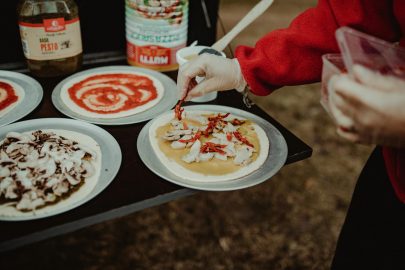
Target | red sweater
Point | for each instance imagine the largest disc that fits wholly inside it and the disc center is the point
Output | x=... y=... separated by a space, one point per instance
x=292 y=56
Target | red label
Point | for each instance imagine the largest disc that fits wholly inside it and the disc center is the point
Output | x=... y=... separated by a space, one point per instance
x=54 y=25
x=153 y=55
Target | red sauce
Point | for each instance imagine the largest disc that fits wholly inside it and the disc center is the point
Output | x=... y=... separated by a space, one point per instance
x=111 y=91
x=11 y=97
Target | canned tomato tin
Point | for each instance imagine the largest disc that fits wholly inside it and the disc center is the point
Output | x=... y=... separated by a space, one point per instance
x=155 y=31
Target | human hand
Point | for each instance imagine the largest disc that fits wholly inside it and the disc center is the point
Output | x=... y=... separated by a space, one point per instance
x=220 y=74
x=369 y=108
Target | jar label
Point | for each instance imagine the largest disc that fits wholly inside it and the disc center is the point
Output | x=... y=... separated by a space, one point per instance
x=155 y=31
x=152 y=56
x=52 y=39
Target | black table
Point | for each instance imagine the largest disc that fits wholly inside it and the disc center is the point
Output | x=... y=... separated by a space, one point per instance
x=135 y=187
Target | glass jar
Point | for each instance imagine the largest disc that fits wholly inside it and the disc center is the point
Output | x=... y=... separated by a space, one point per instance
x=50 y=36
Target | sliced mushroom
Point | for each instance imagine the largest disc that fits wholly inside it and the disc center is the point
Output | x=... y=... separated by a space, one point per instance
x=194 y=152
x=243 y=155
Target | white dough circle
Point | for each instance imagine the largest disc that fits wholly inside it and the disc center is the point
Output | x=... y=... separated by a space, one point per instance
x=92 y=101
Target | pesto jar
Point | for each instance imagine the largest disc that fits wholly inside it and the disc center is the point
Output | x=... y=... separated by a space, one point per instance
x=50 y=36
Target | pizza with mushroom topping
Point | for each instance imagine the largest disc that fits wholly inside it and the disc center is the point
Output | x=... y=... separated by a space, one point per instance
x=44 y=170
x=208 y=146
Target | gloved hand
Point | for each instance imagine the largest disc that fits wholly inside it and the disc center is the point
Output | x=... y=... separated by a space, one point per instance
x=220 y=74
x=369 y=108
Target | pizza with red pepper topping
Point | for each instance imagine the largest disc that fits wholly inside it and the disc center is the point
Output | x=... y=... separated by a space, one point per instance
x=208 y=146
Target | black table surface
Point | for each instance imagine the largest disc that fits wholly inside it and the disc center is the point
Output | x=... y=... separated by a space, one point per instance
x=134 y=188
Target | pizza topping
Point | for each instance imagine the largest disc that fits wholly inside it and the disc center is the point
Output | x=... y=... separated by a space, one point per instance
x=178 y=110
x=39 y=168
x=194 y=153
x=191 y=140
x=218 y=136
x=215 y=124
x=243 y=156
x=242 y=139
x=7 y=95
x=178 y=145
x=237 y=122
x=176 y=134
x=113 y=93
x=210 y=147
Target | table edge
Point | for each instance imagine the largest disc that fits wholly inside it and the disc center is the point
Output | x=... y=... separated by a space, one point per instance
x=95 y=219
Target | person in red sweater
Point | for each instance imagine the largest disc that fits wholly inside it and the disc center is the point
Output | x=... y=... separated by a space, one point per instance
x=373 y=235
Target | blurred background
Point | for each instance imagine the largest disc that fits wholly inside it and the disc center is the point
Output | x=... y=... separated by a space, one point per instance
x=289 y=222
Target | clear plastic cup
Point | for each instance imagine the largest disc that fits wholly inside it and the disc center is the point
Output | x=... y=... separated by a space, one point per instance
x=374 y=53
x=332 y=65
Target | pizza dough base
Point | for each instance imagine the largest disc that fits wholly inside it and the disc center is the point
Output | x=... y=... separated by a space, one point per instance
x=64 y=95
x=19 y=92
x=185 y=173
x=75 y=197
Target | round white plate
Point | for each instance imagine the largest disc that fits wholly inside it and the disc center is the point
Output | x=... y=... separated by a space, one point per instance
x=110 y=154
x=32 y=96
x=276 y=159
x=169 y=99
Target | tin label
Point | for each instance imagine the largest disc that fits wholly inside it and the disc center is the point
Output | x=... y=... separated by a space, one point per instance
x=155 y=32
x=51 y=39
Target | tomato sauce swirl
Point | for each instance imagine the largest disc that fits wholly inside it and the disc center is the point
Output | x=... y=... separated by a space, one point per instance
x=7 y=95
x=112 y=93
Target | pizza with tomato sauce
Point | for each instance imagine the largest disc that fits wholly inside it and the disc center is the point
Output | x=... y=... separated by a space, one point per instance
x=112 y=95
x=206 y=146
x=11 y=94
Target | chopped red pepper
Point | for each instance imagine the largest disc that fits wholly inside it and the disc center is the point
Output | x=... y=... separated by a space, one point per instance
x=210 y=128
x=229 y=136
x=196 y=137
x=218 y=117
x=213 y=121
x=178 y=110
x=210 y=147
x=237 y=122
x=242 y=139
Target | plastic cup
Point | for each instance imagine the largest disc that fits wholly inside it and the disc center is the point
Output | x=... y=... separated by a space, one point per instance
x=332 y=65
x=189 y=53
x=374 y=53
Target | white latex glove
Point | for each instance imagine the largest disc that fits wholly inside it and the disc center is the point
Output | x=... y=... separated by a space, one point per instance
x=220 y=74
x=369 y=108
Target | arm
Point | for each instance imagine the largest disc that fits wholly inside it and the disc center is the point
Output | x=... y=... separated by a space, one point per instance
x=292 y=56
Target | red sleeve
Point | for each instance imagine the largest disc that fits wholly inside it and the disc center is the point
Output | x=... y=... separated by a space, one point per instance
x=292 y=56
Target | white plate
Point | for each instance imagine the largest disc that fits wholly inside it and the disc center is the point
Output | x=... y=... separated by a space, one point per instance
x=276 y=159
x=169 y=99
x=32 y=96
x=110 y=152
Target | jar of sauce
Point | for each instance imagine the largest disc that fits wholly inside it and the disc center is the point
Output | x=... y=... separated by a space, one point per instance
x=50 y=36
